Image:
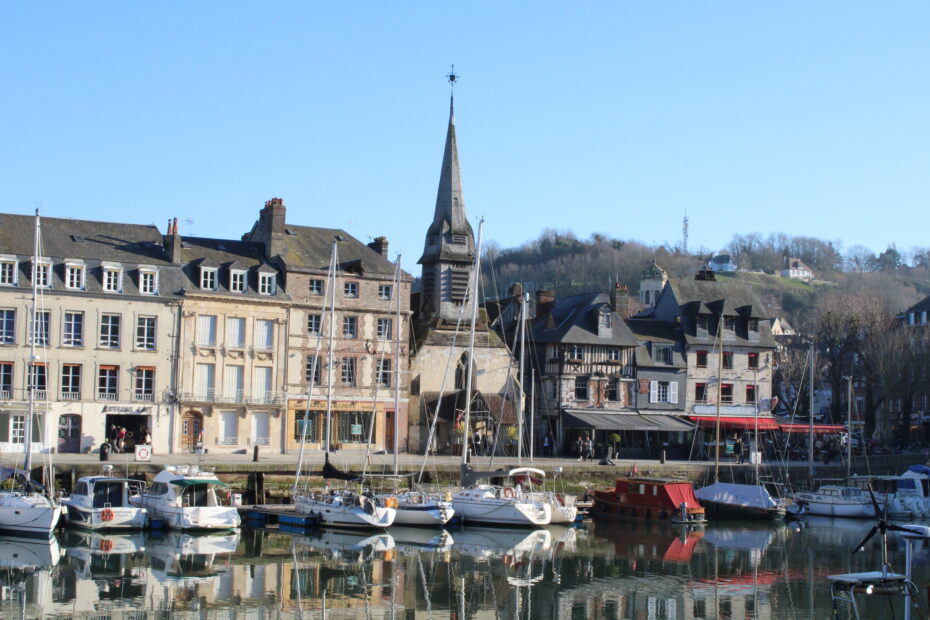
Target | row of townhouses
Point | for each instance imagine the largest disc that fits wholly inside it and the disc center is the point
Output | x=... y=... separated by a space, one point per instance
x=235 y=343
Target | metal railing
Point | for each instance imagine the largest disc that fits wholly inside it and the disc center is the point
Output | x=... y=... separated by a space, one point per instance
x=148 y=397
x=213 y=396
x=227 y=441
x=107 y=396
x=70 y=395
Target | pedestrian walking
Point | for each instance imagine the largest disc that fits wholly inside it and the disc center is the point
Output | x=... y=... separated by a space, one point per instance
x=589 y=449
x=738 y=449
x=579 y=448
x=546 y=445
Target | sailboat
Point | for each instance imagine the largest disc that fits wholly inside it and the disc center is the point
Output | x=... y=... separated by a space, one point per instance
x=28 y=510
x=744 y=501
x=338 y=507
x=485 y=503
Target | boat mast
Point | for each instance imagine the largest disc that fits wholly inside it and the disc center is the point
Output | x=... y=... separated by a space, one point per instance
x=532 y=411
x=332 y=337
x=471 y=349
x=27 y=435
x=810 y=419
x=522 y=394
x=719 y=396
x=849 y=403
x=396 y=365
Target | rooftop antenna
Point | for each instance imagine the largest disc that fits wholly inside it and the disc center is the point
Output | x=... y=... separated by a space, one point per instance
x=190 y=226
x=684 y=234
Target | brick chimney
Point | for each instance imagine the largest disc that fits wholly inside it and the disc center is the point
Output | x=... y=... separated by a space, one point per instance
x=172 y=242
x=545 y=299
x=271 y=222
x=620 y=300
x=380 y=245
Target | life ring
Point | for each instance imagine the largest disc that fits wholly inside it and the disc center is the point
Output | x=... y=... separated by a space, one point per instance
x=143 y=452
x=106 y=515
x=508 y=492
x=106 y=545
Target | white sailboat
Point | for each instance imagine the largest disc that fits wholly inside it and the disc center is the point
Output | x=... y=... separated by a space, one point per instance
x=29 y=511
x=337 y=507
x=485 y=503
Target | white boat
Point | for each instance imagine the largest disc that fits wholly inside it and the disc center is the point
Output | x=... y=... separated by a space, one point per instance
x=835 y=501
x=190 y=558
x=184 y=498
x=346 y=508
x=419 y=539
x=484 y=543
x=501 y=505
x=104 y=503
x=561 y=505
x=745 y=501
x=422 y=509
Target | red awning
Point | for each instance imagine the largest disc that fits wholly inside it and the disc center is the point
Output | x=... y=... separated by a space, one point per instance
x=818 y=428
x=765 y=423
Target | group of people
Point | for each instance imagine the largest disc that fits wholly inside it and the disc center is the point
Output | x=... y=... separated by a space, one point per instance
x=119 y=435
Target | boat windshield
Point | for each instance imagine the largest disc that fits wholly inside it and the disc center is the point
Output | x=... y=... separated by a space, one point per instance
x=108 y=494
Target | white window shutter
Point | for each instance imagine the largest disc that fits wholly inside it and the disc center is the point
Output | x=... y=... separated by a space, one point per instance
x=653 y=391
x=673 y=392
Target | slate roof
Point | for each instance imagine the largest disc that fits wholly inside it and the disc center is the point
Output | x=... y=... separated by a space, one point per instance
x=575 y=320
x=649 y=331
x=226 y=255
x=921 y=306
x=308 y=247
x=92 y=243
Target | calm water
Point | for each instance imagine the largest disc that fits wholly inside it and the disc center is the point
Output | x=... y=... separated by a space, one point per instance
x=636 y=571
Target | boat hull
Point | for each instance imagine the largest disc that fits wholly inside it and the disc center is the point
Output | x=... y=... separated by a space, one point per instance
x=854 y=511
x=205 y=518
x=342 y=516
x=28 y=516
x=423 y=516
x=125 y=518
x=503 y=512
x=722 y=509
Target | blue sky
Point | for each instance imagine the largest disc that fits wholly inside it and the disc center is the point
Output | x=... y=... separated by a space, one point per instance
x=806 y=118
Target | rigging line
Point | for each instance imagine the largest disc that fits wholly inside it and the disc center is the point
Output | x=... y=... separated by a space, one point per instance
x=310 y=381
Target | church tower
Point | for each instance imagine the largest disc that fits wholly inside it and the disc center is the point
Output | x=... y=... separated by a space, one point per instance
x=449 y=252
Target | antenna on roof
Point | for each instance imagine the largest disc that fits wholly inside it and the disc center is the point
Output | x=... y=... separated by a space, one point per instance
x=190 y=226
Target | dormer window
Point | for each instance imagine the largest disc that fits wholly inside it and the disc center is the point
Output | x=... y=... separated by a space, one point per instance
x=148 y=281
x=8 y=271
x=729 y=328
x=112 y=280
x=74 y=276
x=752 y=329
x=575 y=352
x=702 y=326
x=604 y=324
x=237 y=281
x=266 y=283
x=43 y=274
x=208 y=278
x=662 y=354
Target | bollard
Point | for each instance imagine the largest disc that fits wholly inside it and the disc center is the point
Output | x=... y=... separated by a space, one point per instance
x=255 y=454
x=662 y=459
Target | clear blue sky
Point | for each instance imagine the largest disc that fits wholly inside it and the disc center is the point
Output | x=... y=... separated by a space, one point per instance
x=614 y=117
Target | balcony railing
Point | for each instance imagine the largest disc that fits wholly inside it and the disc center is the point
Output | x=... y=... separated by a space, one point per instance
x=70 y=395
x=212 y=396
x=261 y=441
x=147 y=397
x=227 y=441
x=38 y=394
x=107 y=396
x=6 y=394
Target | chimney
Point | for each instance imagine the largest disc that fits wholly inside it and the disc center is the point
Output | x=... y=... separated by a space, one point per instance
x=272 y=224
x=380 y=245
x=545 y=299
x=620 y=300
x=172 y=242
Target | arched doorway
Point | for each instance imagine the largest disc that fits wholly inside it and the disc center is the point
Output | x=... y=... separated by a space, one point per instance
x=69 y=433
x=191 y=427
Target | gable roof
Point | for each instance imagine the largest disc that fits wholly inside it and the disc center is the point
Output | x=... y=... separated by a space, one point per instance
x=310 y=248
x=574 y=320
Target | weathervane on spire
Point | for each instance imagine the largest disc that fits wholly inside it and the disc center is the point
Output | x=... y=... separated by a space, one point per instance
x=452 y=77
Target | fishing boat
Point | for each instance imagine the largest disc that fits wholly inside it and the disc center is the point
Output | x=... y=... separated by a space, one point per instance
x=29 y=509
x=103 y=502
x=650 y=499
x=184 y=498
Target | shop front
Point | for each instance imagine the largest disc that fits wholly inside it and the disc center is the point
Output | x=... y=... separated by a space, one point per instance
x=350 y=422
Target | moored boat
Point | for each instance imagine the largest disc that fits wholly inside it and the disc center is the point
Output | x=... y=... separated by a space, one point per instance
x=743 y=501
x=346 y=508
x=651 y=499
x=184 y=498
x=835 y=500
x=104 y=503
x=422 y=509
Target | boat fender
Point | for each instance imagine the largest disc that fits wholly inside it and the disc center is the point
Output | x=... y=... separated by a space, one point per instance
x=508 y=492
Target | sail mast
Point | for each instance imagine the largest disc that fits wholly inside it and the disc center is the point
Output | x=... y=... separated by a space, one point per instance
x=471 y=347
x=719 y=396
x=397 y=363
x=331 y=359
x=27 y=435
x=522 y=395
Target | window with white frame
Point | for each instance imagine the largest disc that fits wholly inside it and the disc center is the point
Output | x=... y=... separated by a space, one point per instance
x=73 y=329
x=313 y=371
x=113 y=279
x=7 y=326
x=108 y=383
x=663 y=392
x=38 y=380
x=206 y=330
x=729 y=328
x=351 y=289
x=237 y=281
x=385 y=291
x=17 y=429
x=314 y=324
x=576 y=352
x=235 y=332
x=350 y=326
x=8 y=273
x=74 y=276
x=145 y=383
x=233 y=383
x=208 y=278
x=43 y=274
x=581 y=387
x=145 y=333
x=148 y=281
x=70 y=381
x=266 y=283
x=384 y=372
x=204 y=381
x=613 y=355
x=315 y=287
x=6 y=379
x=229 y=428
x=662 y=354
x=262 y=387
x=384 y=328
x=347 y=370
x=39 y=328
x=613 y=389
x=109 y=331
x=264 y=334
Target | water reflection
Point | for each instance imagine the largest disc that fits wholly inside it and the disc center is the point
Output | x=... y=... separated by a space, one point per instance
x=621 y=570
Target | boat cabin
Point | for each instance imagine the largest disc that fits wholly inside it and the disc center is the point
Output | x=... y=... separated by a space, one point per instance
x=648 y=498
x=105 y=492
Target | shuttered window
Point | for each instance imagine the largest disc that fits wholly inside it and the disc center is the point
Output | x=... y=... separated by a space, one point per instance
x=206 y=329
x=261 y=384
x=232 y=384
x=204 y=378
x=264 y=335
x=235 y=332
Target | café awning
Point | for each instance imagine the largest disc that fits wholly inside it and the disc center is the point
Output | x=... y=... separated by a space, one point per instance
x=766 y=423
x=818 y=428
x=625 y=421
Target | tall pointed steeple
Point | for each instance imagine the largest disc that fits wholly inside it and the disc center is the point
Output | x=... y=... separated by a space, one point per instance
x=449 y=252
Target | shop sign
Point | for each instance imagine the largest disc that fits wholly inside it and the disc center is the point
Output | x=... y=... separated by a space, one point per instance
x=127 y=410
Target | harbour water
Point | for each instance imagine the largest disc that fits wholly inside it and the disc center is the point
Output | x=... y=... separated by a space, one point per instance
x=616 y=571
